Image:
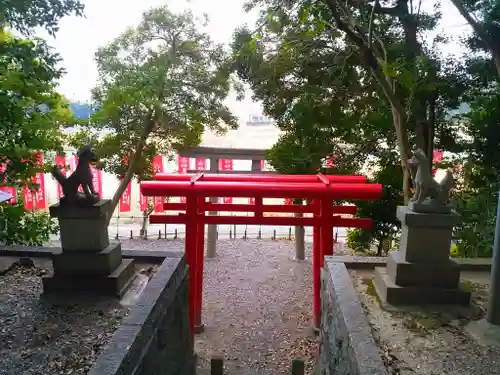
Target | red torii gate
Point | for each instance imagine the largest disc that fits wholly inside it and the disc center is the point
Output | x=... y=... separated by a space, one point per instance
x=319 y=188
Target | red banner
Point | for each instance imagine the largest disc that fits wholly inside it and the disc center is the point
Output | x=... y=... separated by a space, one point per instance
x=437 y=156
x=200 y=164
x=36 y=199
x=143 y=201
x=262 y=164
x=226 y=165
x=182 y=167
x=97 y=180
x=157 y=168
x=60 y=162
x=125 y=201
x=182 y=164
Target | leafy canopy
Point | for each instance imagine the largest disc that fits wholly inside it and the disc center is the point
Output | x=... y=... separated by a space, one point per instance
x=160 y=84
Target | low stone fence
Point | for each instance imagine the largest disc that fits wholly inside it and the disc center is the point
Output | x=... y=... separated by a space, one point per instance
x=347 y=343
x=155 y=337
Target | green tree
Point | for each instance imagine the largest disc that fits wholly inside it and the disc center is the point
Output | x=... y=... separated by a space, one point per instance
x=315 y=81
x=160 y=84
x=31 y=111
x=26 y=15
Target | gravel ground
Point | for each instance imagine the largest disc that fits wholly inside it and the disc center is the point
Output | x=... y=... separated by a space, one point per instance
x=257 y=304
x=429 y=343
x=42 y=336
x=257 y=307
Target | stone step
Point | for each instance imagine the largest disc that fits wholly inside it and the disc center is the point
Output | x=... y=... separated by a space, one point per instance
x=397 y=295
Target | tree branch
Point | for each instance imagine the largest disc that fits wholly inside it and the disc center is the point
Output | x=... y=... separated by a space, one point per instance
x=495 y=52
x=368 y=56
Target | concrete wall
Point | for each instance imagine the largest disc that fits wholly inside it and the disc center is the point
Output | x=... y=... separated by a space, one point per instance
x=347 y=344
x=155 y=337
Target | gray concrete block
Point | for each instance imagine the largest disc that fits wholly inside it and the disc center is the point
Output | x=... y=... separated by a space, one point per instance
x=348 y=346
x=429 y=208
x=396 y=295
x=427 y=220
x=155 y=338
x=88 y=263
x=84 y=234
x=430 y=274
x=114 y=284
x=99 y=209
x=421 y=244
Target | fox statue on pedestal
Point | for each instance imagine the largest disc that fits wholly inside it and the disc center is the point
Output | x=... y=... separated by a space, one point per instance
x=81 y=176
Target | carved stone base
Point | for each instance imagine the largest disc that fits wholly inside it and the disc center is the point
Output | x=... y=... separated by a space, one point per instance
x=444 y=274
x=397 y=295
x=83 y=228
x=425 y=237
x=429 y=208
x=113 y=284
x=88 y=263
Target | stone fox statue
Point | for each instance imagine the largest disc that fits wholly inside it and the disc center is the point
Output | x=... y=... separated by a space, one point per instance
x=81 y=176
x=425 y=185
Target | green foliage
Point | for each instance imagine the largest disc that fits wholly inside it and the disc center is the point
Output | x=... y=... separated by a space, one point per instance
x=359 y=240
x=25 y=15
x=476 y=200
x=314 y=81
x=25 y=228
x=160 y=84
x=31 y=111
x=382 y=211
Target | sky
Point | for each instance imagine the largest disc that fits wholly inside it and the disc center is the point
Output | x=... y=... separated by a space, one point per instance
x=79 y=38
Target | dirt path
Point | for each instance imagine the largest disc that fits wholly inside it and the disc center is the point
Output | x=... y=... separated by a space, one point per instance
x=257 y=307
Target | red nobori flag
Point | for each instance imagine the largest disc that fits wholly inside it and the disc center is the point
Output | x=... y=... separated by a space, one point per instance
x=125 y=199
x=200 y=164
x=226 y=165
x=36 y=199
x=182 y=168
x=143 y=202
x=60 y=162
x=437 y=156
x=182 y=164
x=97 y=179
x=158 y=168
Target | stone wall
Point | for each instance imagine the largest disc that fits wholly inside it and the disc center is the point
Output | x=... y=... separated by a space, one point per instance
x=155 y=337
x=347 y=344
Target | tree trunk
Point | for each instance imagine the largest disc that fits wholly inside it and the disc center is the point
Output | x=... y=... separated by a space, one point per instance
x=491 y=45
x=133 y=161
x=299 y=240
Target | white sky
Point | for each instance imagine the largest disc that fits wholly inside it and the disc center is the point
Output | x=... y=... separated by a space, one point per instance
x=79 y=38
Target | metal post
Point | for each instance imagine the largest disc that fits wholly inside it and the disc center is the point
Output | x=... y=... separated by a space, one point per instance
x=212 y=229
x=200 y=250
x=493 y=312
x=316 y=265
x=191 y=259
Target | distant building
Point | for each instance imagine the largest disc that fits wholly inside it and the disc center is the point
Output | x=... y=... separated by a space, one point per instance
x=259 y=120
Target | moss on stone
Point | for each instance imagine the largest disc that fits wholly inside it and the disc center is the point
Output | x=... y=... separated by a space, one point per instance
x=370 y=289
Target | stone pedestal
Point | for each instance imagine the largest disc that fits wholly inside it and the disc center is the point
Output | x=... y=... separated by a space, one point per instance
x=89 y=262
x=421 y=272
